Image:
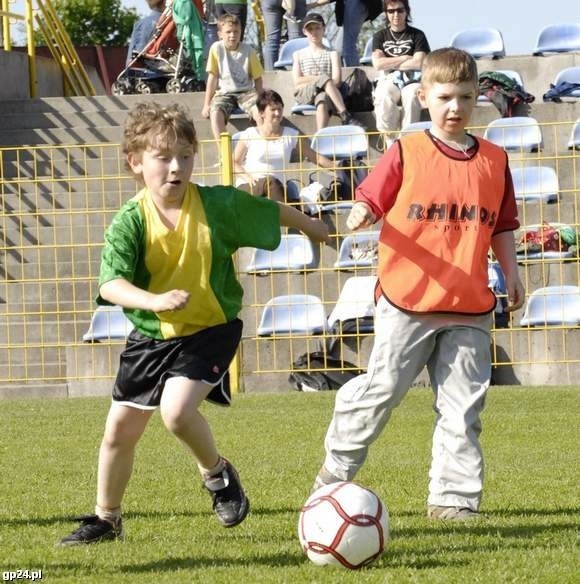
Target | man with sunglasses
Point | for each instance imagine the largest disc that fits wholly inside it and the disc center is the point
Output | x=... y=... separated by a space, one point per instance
x=398 y=53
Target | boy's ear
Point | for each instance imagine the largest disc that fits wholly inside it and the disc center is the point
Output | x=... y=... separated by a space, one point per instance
x=134 y=161
x=421 y=95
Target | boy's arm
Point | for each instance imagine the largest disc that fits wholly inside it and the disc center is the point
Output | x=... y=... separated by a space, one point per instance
x=210 y=89
x=504 y=249
x=336 y=69
x=315 y=229
x=127 y=295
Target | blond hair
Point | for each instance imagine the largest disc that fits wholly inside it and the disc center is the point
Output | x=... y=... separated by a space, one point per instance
x=227 y=18
x=449 y=65
x=151 y=124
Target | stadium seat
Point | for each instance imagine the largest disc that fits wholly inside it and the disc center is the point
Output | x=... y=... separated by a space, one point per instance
x=294 y=313
x=358 y=250
x=553 y=305
x=303 y=108
x=295 y=253
x=535 y=183
x=517 y=134
x=512 y=75
x=569 y=75
x=355 y=307
x=415 y=127
x=340 y=142
x=367 y=58
x=480 y=42
x=108 y=323
x=558 y=38
x=312 y=203
x=288 y=49
x=574 y=141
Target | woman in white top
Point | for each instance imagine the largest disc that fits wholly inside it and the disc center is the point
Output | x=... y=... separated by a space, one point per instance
x=262 y=154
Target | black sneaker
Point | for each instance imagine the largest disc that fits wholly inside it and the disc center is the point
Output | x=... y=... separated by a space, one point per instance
x=230 y=503
x=347 y=119
x=93 y=530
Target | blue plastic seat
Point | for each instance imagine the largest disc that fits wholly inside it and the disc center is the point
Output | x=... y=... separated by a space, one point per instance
x=480 y=42
x=295 y=253
x=108 y=323
x=496 y=282
x=535 y=183
x=367 y=58
x=288 y=49
x=509 y=73
x=569 y=75
x=558 y=38
x=574 y=141
x=355 y=307
x=415 y=127
x=340 y=142
x=293 y=313
x=358 y=250
x=303 y=108
x=553 y=305
x=517 y=134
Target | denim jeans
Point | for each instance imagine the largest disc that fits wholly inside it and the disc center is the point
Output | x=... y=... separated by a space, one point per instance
x=355 y=13
x=272 y=10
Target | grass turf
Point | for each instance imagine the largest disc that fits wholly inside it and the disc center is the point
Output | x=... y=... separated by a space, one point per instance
x=530 y=438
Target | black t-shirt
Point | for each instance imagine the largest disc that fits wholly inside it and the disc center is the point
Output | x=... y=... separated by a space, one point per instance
x=395 y=44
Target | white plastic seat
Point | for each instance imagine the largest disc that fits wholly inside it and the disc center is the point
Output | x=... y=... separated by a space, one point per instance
x=415 y=127
x=558 y=38
x=355 y=307
x=496 y=282
x=553 y=305
x=569 y=75
x=367 y=58
x=340 y=142
x=574 y=141
x=358 y=250
x=509 y=73
x=108 y=323
x=480 y=42
x=517 y=134
x=295 y=253
x=303 y=108
x=535 y=183
x=287 y=50
x=293 y=313
x=312 y=204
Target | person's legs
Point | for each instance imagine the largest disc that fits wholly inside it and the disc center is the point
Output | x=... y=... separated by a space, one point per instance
x=386 y=97
x=355 y=13
x=273 y=21
x=295 y=27
x=410 y=104
x=180 y=412
x=460 y=371
x=364 y=405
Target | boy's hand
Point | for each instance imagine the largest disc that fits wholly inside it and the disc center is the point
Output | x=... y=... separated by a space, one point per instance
x=170 y=301
x=516 y=293
x=360 y=216
x=205 y=111
x=317 y=230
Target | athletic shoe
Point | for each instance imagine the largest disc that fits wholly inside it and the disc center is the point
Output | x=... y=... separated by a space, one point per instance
x=452 y=513
x=324 y=477
x=230 y=503
x=93 y=530
x=347 y=119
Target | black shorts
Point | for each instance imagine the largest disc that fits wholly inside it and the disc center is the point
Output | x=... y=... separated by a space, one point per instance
x=146 y=364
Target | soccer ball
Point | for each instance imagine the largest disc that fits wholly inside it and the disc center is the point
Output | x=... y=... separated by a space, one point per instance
x=343 y=524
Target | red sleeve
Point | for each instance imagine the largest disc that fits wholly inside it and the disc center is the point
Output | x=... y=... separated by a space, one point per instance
x=507 y=220
x=379 y=189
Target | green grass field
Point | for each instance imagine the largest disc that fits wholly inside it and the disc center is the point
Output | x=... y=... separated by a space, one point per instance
x=49 y=452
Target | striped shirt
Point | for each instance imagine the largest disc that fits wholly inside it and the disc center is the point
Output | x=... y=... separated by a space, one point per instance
x=315 y=62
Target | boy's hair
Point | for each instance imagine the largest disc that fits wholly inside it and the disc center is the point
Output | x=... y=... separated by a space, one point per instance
x=405 y=4
x=151 y=124
x=449 y=65
x=268 y=97
x=227 y=18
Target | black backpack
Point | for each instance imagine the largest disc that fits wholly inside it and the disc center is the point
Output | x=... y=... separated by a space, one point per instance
x=318 y=372
x=358 y=92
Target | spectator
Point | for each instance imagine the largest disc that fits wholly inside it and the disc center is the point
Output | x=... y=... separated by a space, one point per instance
x=398 y=53
x=234 y=76
x=237 y=7
x=317 y=74
x=263 y=153
x=273 y=15
x=143 y=29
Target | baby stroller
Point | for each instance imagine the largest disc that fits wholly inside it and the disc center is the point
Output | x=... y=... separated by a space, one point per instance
x=172 y=60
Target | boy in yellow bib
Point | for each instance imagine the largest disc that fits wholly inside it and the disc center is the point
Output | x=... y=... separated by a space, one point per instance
x=167 y=261
x=445 y=197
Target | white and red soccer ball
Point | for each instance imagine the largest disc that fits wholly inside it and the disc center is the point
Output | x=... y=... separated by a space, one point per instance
x=343 y=524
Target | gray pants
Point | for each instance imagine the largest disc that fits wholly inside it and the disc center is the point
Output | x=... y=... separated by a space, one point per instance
x=456 y=351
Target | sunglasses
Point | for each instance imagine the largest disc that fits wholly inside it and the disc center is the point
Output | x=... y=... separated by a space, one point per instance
x=396 y=11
